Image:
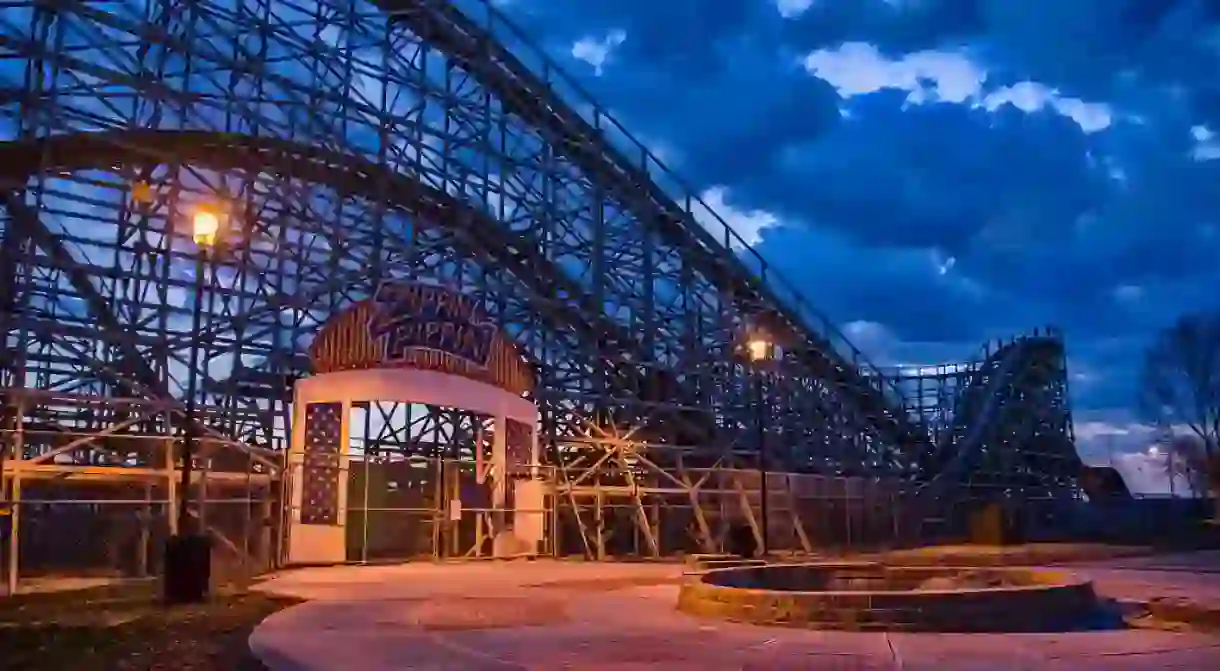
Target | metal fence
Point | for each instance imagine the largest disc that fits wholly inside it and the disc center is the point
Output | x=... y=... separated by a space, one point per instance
x=1140 y=519
x=85 y=515
x=668 y=512
x=403 y=508
x=72 y=536
x=823 y=525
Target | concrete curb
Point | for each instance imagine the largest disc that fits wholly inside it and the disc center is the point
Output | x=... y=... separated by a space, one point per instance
x=269 y=654
x=1015 y=556
x=1178 y=613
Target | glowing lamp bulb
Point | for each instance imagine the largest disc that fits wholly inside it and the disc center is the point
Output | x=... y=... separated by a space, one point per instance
x=757 y=349
x=206 y=227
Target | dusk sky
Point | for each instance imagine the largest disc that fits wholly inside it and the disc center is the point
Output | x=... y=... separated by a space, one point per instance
x=933 y=173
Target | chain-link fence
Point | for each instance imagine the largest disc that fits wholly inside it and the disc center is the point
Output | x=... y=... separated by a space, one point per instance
x=680 y=511
x=697 y=511
x=97 y=534
x=431 y=509
x=86 y=517
x=401 y=508
x=1140 y=519
x=59 y=537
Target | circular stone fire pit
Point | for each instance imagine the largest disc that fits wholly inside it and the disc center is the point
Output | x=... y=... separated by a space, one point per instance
x=872 y=597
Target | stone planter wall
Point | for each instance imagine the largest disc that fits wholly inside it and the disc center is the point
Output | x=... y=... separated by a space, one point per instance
x=782 y=595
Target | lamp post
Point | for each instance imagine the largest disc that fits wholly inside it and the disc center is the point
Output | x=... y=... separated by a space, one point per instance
x=188 y=554
x=1155 y=453
x=205 y=230
x=760 y=351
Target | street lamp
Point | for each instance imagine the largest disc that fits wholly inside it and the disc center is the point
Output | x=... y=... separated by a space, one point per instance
x=205 y=231
x=760 y=350
x=188 y=555
x=1170 y=470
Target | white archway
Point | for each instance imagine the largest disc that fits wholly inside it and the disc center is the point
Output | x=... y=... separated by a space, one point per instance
x=319 y=458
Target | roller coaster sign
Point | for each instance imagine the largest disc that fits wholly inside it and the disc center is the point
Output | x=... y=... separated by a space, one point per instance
x=420 y=326
x=413 y=317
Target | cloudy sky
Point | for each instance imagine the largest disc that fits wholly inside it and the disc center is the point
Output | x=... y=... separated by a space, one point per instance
x=934 y=173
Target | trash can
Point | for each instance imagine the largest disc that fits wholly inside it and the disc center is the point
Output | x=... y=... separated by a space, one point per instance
x=188 y=568
x=742 y=542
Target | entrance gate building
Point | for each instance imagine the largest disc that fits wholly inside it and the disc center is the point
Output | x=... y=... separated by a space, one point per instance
x=426 y=345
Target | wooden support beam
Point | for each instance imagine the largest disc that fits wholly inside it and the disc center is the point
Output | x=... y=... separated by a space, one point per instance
x=706 y=540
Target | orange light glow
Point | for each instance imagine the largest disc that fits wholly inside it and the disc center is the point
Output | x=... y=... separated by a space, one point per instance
x=206 y=228
x=758 y=349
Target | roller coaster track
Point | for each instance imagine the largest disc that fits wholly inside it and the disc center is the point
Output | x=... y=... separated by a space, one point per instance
x=531 y=98
x=981 y=428
x=872 y=402
x=484 y=239
x=876 y=405
x=513 y=251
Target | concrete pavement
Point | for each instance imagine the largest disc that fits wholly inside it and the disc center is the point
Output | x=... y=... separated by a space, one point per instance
x=548 y=616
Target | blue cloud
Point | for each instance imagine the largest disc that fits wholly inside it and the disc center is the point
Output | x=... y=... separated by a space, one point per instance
x=939 y=172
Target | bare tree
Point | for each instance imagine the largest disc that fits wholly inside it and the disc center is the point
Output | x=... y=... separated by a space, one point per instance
x=1180 y=387
x=1185 y=461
